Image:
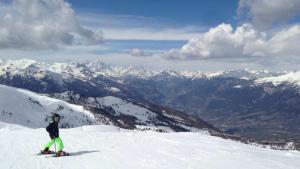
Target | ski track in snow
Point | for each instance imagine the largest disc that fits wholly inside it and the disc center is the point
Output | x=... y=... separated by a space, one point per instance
x=107 y=147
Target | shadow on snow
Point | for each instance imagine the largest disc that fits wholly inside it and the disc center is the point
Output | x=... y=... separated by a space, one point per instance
x=83 y=152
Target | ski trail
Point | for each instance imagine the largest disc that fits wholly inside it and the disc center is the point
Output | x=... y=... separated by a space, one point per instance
x=100 y=148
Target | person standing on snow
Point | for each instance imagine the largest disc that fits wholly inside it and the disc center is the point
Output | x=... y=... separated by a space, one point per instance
x=53 y=131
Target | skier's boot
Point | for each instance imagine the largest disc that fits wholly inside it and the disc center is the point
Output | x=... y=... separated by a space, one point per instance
x=61 y=153
x=46 y=151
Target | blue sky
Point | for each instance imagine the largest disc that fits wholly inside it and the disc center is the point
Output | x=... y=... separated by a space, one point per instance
x=187 y=18
x=178 y=12
x=190 y=18
x=205 y=35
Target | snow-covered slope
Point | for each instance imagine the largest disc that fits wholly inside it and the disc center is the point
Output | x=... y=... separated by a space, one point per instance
x=132 y=115
x=292 y=78
x=26 y=108
x=107 y=147
x=23 y=107
x=124 y=107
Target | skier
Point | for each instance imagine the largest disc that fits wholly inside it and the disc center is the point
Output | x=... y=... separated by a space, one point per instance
x=53 y=131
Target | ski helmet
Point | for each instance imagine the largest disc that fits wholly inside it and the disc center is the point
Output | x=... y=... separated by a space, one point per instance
x=55 y=117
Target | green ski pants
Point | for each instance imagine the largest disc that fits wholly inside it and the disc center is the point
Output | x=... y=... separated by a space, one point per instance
x=58 y=142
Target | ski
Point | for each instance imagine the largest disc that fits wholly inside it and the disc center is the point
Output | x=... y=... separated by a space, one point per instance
x=49 y=152
x=55 y=155
x=61 y=155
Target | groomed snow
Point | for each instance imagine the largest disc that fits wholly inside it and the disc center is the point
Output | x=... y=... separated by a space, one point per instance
x=107 y=147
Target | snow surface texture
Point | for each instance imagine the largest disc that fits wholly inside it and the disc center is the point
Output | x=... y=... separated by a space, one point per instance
x=108 y=147
x=29 y=109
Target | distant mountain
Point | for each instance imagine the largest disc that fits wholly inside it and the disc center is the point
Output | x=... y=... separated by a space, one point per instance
x=254 y=104
x=90 y=70
x=254 y=108
x=291 y=78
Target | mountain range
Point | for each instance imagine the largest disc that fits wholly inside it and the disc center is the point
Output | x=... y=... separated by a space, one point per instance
x=254 y=104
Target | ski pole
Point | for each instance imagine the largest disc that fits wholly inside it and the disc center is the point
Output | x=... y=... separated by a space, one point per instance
x=55 y=145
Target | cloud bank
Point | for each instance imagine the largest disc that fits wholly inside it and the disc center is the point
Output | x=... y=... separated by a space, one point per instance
x=42 y=24
x=245 y=41
x=249 y=40
x=264 y=13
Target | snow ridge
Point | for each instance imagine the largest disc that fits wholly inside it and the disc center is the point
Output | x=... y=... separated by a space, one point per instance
x=29 y=109
x=292 y=78
x=86 y=70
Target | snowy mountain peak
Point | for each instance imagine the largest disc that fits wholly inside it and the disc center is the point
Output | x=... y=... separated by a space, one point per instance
x=292 y=78
x=14 y=66
x=21 y=64
x=87 y=70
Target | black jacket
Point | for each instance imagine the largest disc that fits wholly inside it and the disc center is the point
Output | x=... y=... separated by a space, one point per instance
x=52 y=129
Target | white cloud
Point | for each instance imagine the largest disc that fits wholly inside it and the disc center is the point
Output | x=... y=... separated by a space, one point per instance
x=249 y=41
x=264 y=13
x=140 y=53
x=244 y=42
x=42 y=24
